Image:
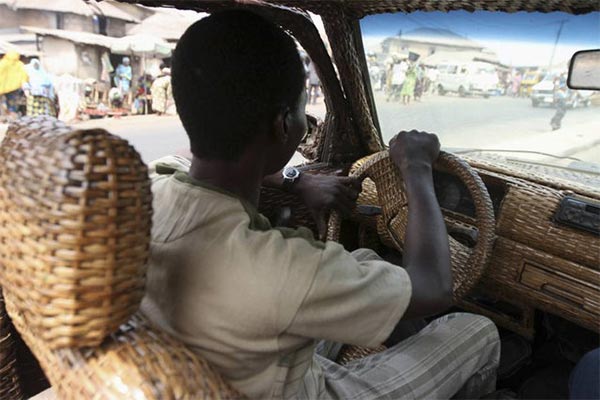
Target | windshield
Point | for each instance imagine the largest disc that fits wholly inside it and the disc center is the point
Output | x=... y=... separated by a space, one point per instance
x=475 y=79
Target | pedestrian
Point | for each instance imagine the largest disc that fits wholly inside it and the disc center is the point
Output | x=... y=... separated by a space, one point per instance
x=560 y=103
x=420 y=82
x=516 y=84
x=13 y=75
x=162 y=95
x=432 y=77
x=398 y=75
x=39 y=89
x=142 y=94
x=123 y=76
x=314 y=83
x=408 y=88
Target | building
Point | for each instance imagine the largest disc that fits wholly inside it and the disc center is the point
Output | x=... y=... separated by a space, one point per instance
x=167 y=24
x=73 y=15
x=71 y=52
x=428 y=41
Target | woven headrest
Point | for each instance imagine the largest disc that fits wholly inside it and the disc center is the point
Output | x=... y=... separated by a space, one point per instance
x=75 y=217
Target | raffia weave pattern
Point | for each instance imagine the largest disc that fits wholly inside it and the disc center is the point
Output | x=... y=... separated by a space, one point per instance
x=74 y=225
x=136 y=362
x=360 y=8
x=468 y=264
x=10 y=388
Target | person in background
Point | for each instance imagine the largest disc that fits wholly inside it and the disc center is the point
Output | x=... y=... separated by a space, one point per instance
x=162 y=94
x=408 y=88
x=12 y=77
x=314 y=83
x=41 y=98
x=516 y=84
x=115 y=98
x=142 y=94
x=560 y=103
x=123 y=76
x=420 y=82
x=432 y=76
x=398 y=76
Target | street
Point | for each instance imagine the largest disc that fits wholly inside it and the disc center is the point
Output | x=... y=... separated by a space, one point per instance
x=494 y=123
x=474 y=122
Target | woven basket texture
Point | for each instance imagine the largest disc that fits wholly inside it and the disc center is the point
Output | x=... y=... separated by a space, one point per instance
x=360 y=8
x=527 y=215
x=10 y=388
x=468 y=264
x=135 y=362
x=523 y=324
x=531 y=277
x=529 y=175
x=565 y=279
x=75 y=226
x=351 y=353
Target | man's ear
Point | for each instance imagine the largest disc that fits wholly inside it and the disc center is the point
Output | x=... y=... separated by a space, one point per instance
x=279 y=127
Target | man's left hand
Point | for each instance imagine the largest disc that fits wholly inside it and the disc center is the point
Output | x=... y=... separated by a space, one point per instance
x=323 y=193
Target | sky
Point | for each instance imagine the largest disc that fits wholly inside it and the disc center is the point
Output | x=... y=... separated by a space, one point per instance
x=519 y=39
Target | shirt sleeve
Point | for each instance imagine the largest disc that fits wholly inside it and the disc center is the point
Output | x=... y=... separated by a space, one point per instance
x=352 y=301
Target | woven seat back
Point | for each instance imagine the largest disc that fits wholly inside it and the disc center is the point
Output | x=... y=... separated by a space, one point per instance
x=75 y=217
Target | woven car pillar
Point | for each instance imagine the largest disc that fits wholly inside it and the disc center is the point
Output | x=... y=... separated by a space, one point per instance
x=347 y=60
x=74 y=226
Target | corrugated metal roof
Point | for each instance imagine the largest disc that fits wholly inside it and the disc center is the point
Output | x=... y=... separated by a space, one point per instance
x=79 y=7
x=457 y=57
x=437 y=37
x=166 y=24
x=7 y=46
x=72 y=36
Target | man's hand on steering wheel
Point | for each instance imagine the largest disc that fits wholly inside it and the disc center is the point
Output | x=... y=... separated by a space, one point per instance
x=413 y=149
x=441 y=268
x=426 y=255
x=324 y=193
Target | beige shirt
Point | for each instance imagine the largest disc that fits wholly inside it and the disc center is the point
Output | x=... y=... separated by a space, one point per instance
x=254 y=300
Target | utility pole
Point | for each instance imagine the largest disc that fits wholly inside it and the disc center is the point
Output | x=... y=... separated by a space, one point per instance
x=562 y=22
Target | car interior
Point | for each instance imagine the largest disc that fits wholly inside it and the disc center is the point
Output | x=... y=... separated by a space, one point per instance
x=75 y=218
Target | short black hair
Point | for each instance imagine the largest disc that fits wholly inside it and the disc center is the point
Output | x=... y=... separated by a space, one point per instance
x=232 y=71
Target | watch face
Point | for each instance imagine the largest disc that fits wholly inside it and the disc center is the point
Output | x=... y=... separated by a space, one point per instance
x=290 y=173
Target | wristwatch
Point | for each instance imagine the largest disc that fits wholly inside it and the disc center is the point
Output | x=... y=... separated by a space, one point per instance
x=290 y=175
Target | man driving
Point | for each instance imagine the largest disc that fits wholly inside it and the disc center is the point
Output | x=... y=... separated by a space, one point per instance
x=267 y=306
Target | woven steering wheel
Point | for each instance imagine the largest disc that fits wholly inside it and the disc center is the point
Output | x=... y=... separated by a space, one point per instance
x=384 y=185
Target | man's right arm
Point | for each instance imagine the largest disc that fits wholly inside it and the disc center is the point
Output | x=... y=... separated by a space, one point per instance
x=426 y=255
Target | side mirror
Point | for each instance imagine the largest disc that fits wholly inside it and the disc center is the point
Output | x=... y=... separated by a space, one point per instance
x=584 y=70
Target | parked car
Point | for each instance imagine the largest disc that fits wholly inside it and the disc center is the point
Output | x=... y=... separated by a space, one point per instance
x=542 y=94
x=468 y=79
x=530 y=78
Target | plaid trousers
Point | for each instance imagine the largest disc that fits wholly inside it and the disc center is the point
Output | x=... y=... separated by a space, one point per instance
x=455 y=356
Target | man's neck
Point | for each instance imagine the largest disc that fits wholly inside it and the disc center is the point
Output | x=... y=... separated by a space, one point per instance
x=242 y=178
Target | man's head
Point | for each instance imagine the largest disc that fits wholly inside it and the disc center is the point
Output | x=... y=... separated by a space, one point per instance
x=237 y=76
x=126 y=61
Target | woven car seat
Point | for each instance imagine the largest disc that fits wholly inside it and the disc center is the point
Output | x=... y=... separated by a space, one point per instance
x=75 y=218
